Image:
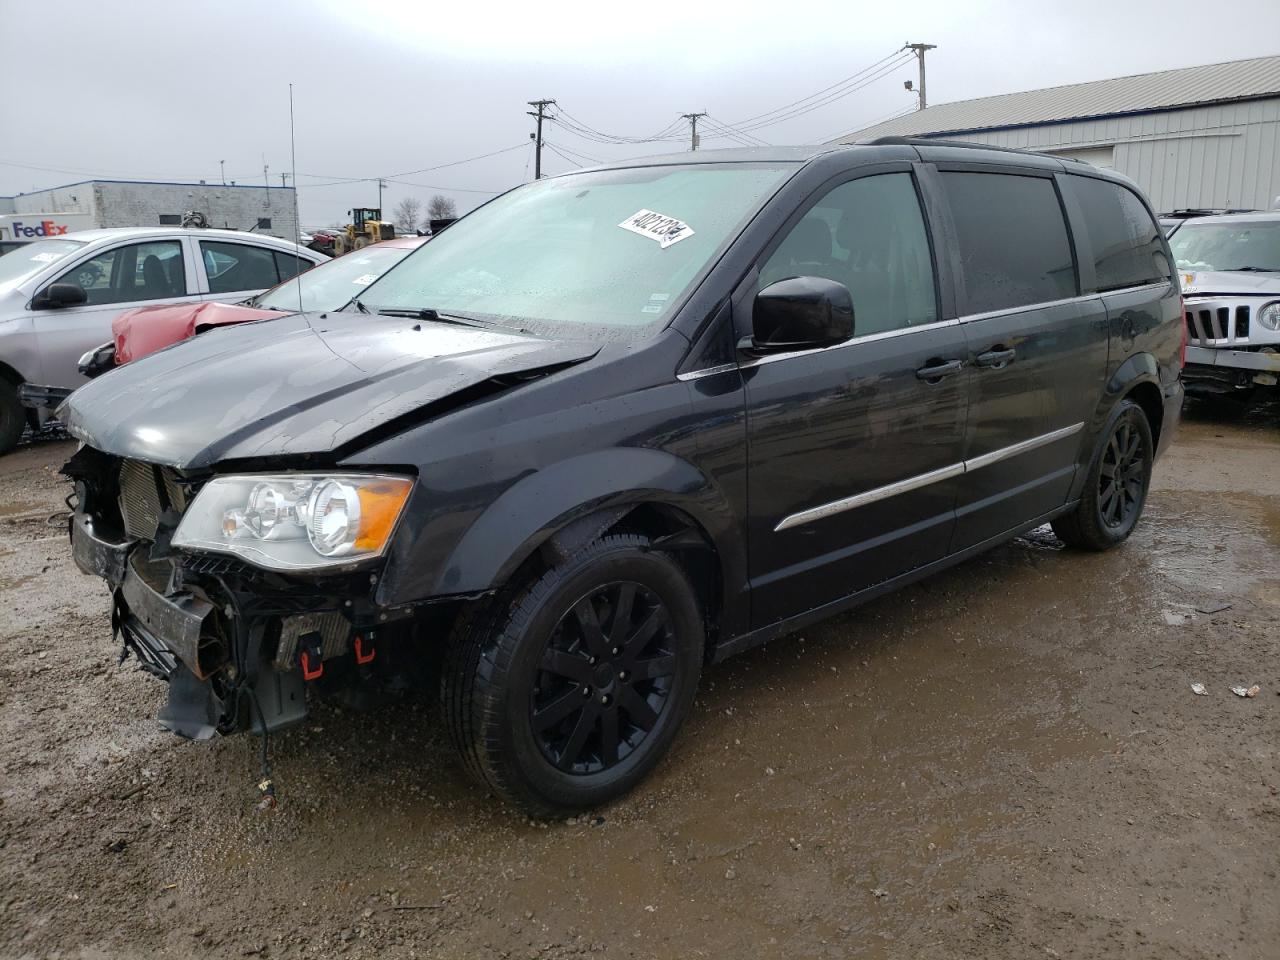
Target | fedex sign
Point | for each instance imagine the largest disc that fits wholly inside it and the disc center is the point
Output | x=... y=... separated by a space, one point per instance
x=38 y=226
x=45 y=228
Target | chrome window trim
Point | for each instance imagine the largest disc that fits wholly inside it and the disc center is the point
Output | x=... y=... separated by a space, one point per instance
x=903 y=331
x=852 y=341
x=924 y=479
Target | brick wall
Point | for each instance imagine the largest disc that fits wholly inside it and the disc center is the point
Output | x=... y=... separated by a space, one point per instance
x=114 y=204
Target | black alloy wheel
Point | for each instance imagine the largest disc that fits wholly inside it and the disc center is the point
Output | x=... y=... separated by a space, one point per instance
x=1122 y=476
x=605 y=678
x=1115 y=489
x=566 y=689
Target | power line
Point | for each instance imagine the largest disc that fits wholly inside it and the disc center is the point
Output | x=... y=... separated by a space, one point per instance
x=824 y=90
x=725 y=130
x=580 y=155
x=832 y=97
x=551 y=146
x=432 y=186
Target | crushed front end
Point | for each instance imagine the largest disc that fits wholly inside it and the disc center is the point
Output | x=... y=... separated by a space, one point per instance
x=238 y=642
x=1233 y=342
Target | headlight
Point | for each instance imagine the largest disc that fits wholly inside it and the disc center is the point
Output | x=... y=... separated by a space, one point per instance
x=297 y=521
x=1269 y=315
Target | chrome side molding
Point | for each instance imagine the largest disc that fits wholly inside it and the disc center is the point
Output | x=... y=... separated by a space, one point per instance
x=924 y=479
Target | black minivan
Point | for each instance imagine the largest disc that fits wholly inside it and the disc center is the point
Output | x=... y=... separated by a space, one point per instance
x=617 y=424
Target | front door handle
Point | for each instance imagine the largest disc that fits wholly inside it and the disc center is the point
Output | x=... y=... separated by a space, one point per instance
x=996 y=358
x=937 y=369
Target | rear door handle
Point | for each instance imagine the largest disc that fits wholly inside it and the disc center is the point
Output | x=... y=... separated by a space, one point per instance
x=937 y=369
x=996 y=358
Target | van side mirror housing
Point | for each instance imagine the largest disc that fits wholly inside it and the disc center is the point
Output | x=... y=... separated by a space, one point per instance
x=799 y=313
x=62 y=295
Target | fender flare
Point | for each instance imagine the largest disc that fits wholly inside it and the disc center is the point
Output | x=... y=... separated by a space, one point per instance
x=1137 y=369
x=536 y=507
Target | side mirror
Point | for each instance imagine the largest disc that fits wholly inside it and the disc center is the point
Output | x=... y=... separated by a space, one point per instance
x=63 y=295
x=800 y=313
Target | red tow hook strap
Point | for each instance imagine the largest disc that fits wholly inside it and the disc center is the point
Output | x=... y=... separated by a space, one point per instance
x=310 y=657
x=364 y=656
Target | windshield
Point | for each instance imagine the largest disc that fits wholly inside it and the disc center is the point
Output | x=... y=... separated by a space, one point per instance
x=1228 y=246
x=332 y=284
x=600 y=254
x=33 y=257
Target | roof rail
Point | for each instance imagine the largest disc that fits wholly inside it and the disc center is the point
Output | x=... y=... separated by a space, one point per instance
x=966 y=144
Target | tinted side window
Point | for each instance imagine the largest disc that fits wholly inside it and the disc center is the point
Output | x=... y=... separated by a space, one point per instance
x=869 y=235
x=1013 y=240
x=232 y=267
x=140 y=271
x=1126 y=242
x=290 y=266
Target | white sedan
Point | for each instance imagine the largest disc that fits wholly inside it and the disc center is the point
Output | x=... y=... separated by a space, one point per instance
x=59 y=296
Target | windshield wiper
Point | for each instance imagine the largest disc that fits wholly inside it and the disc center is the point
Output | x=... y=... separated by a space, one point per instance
x=360 y=306
x=434 y=316
x=1253 y=269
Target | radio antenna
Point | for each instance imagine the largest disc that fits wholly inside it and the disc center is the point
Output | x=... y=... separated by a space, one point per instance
x=297 y=222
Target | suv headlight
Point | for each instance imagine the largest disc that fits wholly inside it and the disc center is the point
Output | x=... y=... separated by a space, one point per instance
x=1269 y=315
x=295 y=521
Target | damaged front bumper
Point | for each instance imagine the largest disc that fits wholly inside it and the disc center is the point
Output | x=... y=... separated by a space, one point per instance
x=236 y=647
x=1222 y=370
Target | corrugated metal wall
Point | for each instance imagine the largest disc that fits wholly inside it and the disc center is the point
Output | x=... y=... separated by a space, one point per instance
x=1216 y=156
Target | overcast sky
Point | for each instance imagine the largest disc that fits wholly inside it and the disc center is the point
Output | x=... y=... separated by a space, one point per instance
x=163 y=90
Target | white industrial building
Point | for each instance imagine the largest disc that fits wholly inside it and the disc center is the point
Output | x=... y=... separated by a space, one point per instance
x=1195 y=137
x=136 y=203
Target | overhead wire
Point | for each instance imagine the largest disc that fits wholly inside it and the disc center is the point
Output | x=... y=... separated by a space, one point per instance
x=747 y=139
x=897 y=54
x=841 y=93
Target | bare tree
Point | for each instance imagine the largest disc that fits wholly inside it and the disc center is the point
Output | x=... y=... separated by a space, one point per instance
x=407 y=214
x=441 y=208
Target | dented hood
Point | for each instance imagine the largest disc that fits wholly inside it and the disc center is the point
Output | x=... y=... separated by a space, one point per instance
x=309 y=383
x=1231 y=283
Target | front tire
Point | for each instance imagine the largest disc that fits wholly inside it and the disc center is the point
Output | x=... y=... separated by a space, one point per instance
x=13 y=417
x=565 y=693
x=1115 y=490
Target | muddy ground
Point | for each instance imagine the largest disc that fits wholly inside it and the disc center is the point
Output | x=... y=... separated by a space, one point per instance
x=1005 y=761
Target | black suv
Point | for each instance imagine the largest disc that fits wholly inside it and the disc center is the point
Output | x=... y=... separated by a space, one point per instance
x=616 y=424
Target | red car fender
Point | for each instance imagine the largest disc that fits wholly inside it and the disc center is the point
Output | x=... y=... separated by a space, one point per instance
x=147 y=329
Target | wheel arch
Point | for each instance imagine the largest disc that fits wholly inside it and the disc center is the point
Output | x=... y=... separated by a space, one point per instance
x=1137 y=379
x=549 y=513
x=11 y=375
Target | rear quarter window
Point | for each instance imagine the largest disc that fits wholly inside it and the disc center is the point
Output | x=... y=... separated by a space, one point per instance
x=1125 y=240
x=1012 y=237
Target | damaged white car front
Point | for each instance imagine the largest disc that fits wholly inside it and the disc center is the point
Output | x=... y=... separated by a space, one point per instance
x=1230 y=270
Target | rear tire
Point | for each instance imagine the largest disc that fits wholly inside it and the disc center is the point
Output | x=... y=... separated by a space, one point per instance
x=564 y=693
x=1115 y=489
x=13 y=417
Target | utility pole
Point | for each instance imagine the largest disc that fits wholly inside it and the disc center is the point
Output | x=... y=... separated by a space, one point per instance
x=381 y=183
x=541 y=106
x=222 y=169
x=918 y=49
x=283 y=178
x=693 y=127
x=266 y=179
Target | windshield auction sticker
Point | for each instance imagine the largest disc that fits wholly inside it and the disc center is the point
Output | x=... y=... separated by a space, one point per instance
x=666 y=230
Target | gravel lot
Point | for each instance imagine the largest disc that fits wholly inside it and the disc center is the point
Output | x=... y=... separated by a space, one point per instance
x=1005 y=761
